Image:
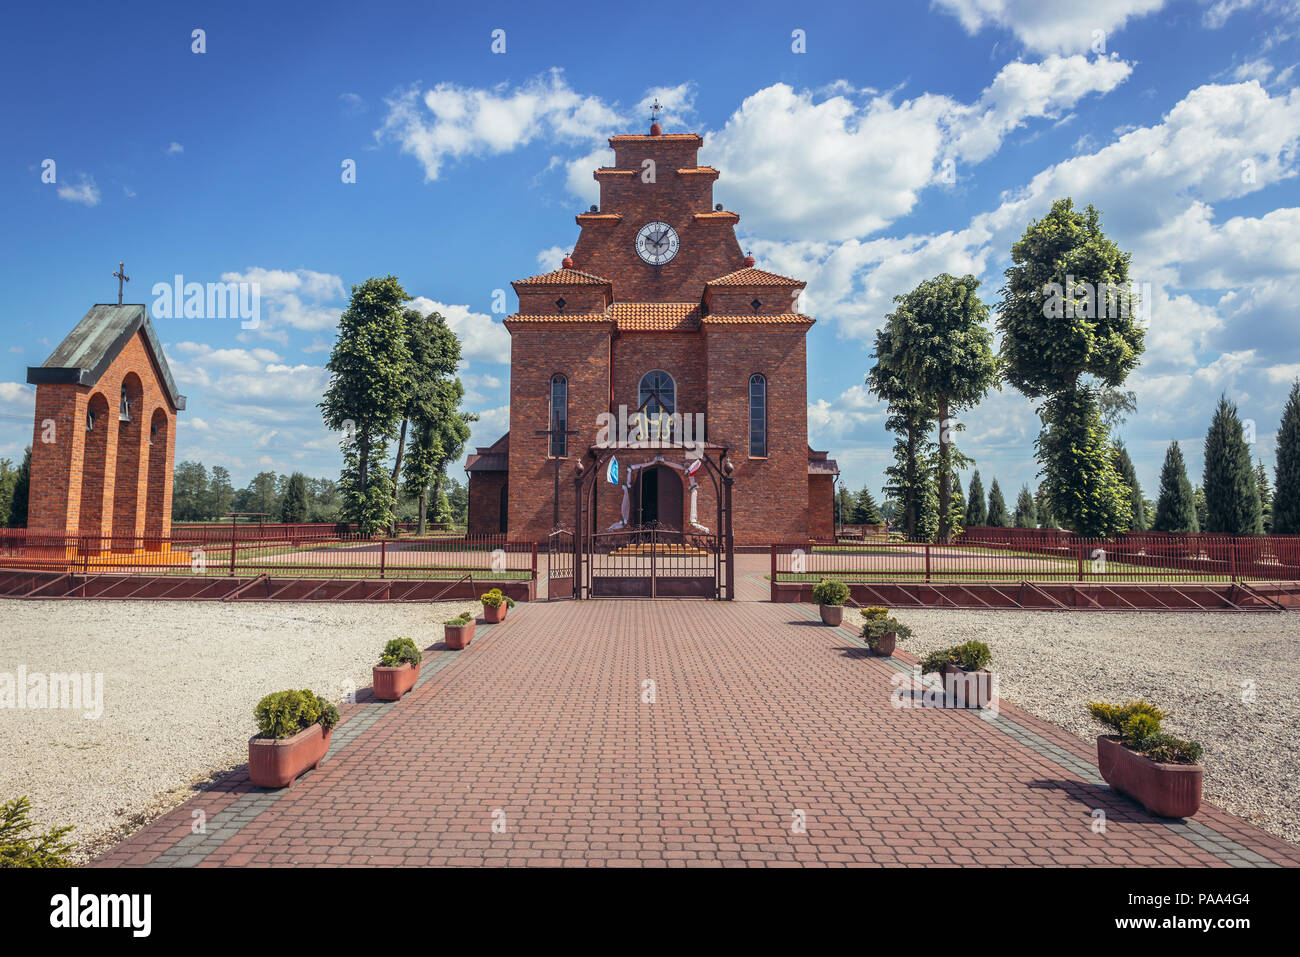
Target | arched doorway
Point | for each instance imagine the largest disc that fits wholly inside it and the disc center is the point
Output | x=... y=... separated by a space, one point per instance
x=659 y=497
x=155 y=511
x=90 y=520
x=126 y=483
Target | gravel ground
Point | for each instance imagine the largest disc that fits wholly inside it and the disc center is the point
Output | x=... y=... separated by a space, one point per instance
x=1194 y=666
x=180 y=680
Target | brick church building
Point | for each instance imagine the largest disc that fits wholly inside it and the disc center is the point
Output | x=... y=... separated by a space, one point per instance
x=659 y=311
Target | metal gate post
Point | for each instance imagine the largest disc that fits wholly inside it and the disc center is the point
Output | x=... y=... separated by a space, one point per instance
x=654 y=584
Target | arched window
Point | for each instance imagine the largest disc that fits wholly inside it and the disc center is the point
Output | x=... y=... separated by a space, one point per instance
x=559 y=417
x=757 y=416
x=658 y=393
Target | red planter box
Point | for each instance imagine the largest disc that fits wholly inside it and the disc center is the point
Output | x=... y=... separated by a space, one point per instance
x=274 y=763
x=457 y=637
x=390 y=683
x=1166 y=790
x=494 y=615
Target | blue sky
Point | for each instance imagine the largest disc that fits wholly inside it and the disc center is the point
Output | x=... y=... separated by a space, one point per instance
x=470 y=165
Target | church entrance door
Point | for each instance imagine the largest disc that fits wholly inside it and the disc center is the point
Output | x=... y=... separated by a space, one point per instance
x=660 y=498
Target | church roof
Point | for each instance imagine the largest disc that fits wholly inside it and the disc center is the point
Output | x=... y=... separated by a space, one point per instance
x=750 y=276
x=90 y=348
x=656 y=316
x=790 y=318
x=563 y=277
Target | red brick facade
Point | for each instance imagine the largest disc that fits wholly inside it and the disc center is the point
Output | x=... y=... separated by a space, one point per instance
x=706 y=317
x=106 y=476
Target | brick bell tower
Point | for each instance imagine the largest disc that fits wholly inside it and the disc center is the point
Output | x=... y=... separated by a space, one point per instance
x=659 y=303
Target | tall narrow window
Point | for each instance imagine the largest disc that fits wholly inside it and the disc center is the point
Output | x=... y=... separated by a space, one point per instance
x=757 y=416
x=658 y=393
x=559 y=416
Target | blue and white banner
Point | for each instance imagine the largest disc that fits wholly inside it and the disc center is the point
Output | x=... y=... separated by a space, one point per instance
x=611 y=473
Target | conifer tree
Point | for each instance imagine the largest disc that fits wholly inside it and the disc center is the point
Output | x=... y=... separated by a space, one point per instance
x=1026 y=512
x=1286 y=479
x=1176 y=506
x=977 y=511
x=1265 y=496
x=1231 y=495
x=1137 y=504
x=997 y=507
x=865 y=511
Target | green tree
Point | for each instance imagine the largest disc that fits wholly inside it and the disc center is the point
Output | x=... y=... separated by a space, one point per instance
x=261 y=496
x=843 y=506
x=942 y=354
x=865 y=511
x=1231 y=495
x=1070 y=337
x=366 y=396
x=221 y=493
x=458 y=499
x=293 y=506
x=908 y=417
x=1026 y=515
x=190 y=492
x=1176 y=504
x=958 y=506
x=1198 y=496
x=1286 y=484
x=997 y=514
x=21 y=492
x=1265 y=496
x=8 y=479
x=1043 y=508
x=1128 y=472
x=977 y=510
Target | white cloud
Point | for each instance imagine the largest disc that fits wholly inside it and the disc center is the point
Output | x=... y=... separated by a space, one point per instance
x=481 y=337
x=174 y=148
x=551 y=259
x=1048 y=26
x=451 y=122
x=298 y=298
x=84 y=191
x=870 y=157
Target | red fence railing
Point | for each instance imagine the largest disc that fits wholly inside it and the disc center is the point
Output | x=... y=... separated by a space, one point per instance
x=293 y=554
x=1059 y=556
x=298 y=531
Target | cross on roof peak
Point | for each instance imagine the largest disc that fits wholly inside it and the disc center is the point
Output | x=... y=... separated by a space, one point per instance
x=121 y=277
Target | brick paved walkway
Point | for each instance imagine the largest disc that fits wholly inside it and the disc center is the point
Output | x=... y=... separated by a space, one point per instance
x=761 y=718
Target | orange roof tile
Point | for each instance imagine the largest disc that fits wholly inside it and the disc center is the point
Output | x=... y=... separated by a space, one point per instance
x=790 y=318
x=697 y=171
x=557 y=317
x=750 y=276
x=563 y=277
x=670 y=137
x=656 y=316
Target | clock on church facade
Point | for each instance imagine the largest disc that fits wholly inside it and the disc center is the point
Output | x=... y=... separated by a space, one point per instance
x=657 y=310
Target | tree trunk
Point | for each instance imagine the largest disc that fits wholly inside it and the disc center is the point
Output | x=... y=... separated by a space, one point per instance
x=424 y=510
x=437 y=486
x=945 y=475
x=397 y=470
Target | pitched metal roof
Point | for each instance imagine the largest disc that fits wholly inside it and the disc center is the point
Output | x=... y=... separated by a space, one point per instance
x=90 y=348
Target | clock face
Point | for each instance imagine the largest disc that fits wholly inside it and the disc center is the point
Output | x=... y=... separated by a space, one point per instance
x=657 y=243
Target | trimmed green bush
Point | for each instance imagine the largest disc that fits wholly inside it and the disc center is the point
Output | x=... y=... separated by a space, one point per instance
x=830 y=591
x=282 y=714
x=874 y=628
x=464 y=618
x=400 y=651
x=875 y=611
x=971 y=656
x=20 y=849
x=1138 y=725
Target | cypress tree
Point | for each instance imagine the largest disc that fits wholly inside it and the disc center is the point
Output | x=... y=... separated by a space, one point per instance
x=997 y=506
x=1026 y=512
x=958 y=507
x=977 y=512
x=1231 y=495
x=1176 y=506
x=1124 y=464
x=1265 y=496
x=1286 y=484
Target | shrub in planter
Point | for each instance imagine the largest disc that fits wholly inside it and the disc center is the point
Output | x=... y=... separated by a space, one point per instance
x=883 y=633
x=398 y=669
x=963 y=669
x=1156 y=769
x=875 y=611
x=830 y=594
x=293 y=734
x=495 y=605
x=21 y=849
x=459 y=631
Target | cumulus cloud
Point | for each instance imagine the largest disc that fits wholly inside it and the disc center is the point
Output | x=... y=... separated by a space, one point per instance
x=481 y=337
x=1048 y=26
x=297 y=298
